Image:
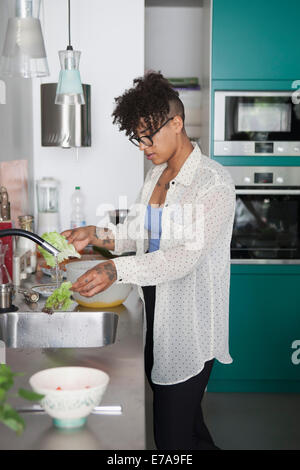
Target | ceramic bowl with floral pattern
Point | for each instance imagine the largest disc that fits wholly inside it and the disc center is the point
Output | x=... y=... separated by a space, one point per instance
x=70 y=393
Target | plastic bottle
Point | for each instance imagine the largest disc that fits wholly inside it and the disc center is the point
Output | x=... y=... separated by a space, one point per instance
x=77 y=214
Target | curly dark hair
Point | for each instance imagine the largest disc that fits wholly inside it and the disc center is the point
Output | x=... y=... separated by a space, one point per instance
x=151 y=98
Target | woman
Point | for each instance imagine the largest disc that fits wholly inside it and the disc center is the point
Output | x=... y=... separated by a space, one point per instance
x=181 y=233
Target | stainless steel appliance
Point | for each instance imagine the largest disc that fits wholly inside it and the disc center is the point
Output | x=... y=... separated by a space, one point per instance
x=118 y=216
x=65 y=125
x=256 y=123
x=267 y=217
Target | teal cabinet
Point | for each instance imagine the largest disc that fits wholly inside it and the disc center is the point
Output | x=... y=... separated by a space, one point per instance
x=264 y=332
x=255 y=40
x=254 y=46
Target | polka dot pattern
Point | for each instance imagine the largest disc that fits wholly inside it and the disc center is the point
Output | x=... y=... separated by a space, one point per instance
x=191 y=274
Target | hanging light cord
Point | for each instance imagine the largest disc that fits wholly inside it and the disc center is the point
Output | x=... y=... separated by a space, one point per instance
x=69 y=48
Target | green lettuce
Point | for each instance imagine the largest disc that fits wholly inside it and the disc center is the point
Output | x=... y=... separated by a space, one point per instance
x=61 y=298
x=67 y=250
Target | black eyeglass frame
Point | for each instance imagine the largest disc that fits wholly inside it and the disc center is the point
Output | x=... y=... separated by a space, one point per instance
x=140 y=139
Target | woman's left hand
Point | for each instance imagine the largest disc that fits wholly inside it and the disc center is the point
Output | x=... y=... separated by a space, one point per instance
x=96 y=280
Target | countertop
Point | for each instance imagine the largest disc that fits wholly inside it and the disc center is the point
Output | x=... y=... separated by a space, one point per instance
x=124 y=363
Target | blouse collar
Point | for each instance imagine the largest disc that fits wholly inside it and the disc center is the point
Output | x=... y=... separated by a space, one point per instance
x=187 y=171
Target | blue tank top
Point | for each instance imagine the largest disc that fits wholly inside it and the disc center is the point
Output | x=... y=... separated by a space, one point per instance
x=153 y=224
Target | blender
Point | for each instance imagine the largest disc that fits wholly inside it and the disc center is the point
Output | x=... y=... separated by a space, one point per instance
x=47 y=199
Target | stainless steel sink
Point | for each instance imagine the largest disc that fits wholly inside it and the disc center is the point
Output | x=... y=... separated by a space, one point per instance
x=76 y=329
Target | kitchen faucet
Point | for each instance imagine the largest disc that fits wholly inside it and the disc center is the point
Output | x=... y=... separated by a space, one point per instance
x=32 y=236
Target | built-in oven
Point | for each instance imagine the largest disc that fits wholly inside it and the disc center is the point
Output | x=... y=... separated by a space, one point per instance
x=267 y=216
x=256 y=123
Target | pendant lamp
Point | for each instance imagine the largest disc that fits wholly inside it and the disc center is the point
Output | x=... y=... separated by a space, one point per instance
x=69 y=88
x=24 y=52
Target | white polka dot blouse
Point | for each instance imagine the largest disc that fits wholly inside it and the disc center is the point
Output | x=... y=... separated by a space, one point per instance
x=191 y=268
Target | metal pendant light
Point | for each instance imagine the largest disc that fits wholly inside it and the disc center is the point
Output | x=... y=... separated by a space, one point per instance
x=24 y=52
x=69 y=89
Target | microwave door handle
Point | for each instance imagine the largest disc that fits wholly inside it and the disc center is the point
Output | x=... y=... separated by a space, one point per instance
x=268 y=191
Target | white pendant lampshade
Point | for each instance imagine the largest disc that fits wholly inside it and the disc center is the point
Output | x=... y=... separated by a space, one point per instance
x=24 y=52
x=69 y=88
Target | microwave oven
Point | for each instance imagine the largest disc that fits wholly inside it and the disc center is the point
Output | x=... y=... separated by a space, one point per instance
x=256 y=123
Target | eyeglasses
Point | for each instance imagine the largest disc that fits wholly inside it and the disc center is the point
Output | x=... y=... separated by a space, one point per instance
x=147 y=139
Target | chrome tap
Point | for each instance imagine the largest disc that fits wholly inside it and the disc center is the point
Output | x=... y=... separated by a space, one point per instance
x=32 y=236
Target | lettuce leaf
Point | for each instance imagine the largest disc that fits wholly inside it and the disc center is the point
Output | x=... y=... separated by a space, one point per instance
x=60 y=299
x=60 y=242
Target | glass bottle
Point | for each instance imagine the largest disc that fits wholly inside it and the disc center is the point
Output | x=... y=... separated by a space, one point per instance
x=24 y=244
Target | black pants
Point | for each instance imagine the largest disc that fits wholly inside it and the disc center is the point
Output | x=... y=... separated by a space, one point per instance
x=177 y=413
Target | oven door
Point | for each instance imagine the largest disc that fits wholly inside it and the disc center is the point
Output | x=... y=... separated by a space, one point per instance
x=256 y=123
x=266 y=226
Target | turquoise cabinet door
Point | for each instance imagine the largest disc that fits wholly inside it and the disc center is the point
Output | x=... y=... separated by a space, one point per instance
x=264 y=325
x=255 y=39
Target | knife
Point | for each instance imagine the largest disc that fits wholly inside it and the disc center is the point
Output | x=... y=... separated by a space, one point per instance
x=98 y=410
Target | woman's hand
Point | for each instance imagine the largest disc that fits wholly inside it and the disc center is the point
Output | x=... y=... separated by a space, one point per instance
x=96 y=280
x=80 y=237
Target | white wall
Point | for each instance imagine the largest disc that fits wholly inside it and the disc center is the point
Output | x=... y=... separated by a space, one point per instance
x=110 y=35
x=16 y=122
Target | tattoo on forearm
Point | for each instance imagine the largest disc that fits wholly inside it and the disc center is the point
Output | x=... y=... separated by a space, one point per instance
x=167 y=185
x=105 y=235
x=106 y=241
x=107 y=268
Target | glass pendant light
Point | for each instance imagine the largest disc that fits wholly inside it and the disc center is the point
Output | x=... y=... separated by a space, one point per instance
x=24 y=52
x=69 y=88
